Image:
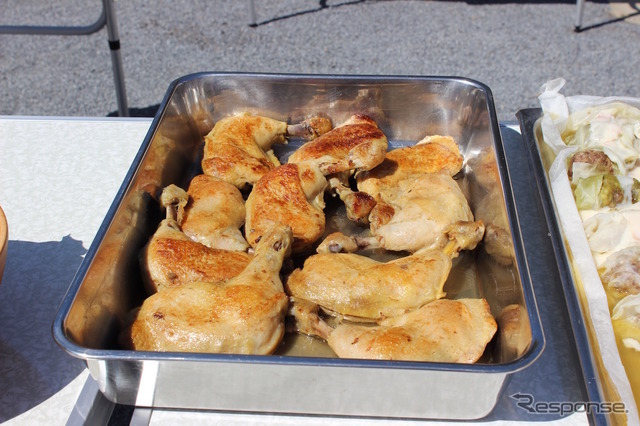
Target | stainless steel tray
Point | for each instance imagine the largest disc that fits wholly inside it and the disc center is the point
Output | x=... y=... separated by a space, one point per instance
x=540 y=161
x=108 y=285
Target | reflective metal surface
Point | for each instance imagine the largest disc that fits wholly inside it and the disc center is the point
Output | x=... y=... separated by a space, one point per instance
x=108 y=284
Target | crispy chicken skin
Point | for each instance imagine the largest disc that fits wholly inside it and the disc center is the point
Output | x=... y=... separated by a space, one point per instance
x=238 y=148
x=172 y=259
x=357 y=144
x=411 y=197
x=441 y=331
x=243 y=315
x=433 y=154
x=360 y=288
x=214 y=214
x=292 y=194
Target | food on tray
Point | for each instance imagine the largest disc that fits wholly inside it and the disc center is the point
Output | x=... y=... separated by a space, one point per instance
x=357 y=144
x=359 y=288
x=621 y=271
x=430 y=155
x=172 y=259
x=211 y=212
x=613 y=128
x=626 y=325
x=441 y=331
x=362 y=289
x=418 y=213
x=590 y=162
x=416 y=196
x=200 y=238
x=598 y=146
x=514 y=331
x=605 y=190
x=490 y=209
x=243 y=315
x=358 y=204
x=238 y=148
x=415 y=200
x=209 y=294
x=291 y=194
x=485 y=170
x=433 y=154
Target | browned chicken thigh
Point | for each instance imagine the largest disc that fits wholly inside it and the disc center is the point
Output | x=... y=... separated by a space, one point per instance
x=243 y=315
x=361 y=289
x=211 y=212
x=416 y=213
x=498 y=242
x=358 y=288
x=357 y=144
x=238 y=148
x=172 y=259
x=416 y=198
x=441 y=331
x=433 y=154
x=291 y=194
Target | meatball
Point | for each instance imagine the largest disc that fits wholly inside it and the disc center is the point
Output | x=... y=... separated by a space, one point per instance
x=602 y=162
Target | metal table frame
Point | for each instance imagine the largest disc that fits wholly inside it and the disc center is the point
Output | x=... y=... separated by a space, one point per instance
x=579 y=13
x=108 y=18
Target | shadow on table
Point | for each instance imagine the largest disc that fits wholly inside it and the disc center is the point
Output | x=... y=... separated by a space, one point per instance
x=149 y=111
x=32 y=367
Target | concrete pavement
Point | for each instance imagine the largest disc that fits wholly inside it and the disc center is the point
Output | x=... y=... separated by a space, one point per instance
x=511 y=46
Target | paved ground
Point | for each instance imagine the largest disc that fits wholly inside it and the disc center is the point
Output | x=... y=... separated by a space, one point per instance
x=512 y=46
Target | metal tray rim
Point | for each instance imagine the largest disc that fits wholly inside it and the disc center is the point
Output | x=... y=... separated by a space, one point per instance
x=529 y=119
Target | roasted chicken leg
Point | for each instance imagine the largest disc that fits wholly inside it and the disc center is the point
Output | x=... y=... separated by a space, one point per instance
x=414 y=197
x=357 y=144
x=211 y=212
x=361 y=289
x=291 y=194
x=433 y=154
x=358 y=288
x=238 y=148
x=441 y=331
x=243 y=315
x=418 y=213
x=172 y=259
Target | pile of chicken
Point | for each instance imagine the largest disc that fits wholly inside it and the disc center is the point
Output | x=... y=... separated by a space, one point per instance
x=214 y=268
